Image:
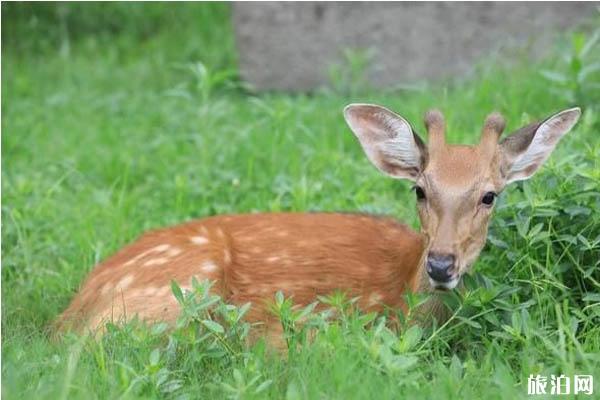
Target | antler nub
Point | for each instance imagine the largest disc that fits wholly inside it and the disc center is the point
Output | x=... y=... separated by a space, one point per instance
x=492 y=128
x=436 y=127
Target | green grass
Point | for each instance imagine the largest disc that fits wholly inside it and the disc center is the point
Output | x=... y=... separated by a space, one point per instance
x=119 y=118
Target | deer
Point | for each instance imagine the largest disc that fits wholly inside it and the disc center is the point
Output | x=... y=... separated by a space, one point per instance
x=376 y=259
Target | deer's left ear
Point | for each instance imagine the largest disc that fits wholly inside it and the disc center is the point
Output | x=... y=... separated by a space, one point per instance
x=524 y=151
x=387 y=139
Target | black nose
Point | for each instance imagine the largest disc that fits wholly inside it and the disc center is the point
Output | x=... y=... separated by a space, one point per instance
x=440 y=266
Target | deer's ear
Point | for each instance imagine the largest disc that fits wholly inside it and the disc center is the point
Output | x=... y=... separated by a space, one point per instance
x=387 y=139
x=524 y=151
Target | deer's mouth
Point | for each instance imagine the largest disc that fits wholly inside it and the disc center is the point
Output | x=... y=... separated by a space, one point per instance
x=444 y=286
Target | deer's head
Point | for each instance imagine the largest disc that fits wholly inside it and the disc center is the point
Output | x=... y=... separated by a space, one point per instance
x=456 y=186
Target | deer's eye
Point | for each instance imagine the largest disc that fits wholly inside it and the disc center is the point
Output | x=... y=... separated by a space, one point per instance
x=420 y=193
x=488 y=198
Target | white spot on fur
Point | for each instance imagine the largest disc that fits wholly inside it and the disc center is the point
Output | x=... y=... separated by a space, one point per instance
x=273 y=259
x=124 y=282
x=174 y=252
x=164 y=291
x=106 y=288
x=134 y=293
x=244 y=257
x=156 y=249
x=375 y=298
x=156 y=261
x=208 y=266
x=149 y=291
x=199 y=240
x=226 y=256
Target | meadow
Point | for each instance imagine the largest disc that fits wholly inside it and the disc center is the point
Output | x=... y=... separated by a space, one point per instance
x=121 y=117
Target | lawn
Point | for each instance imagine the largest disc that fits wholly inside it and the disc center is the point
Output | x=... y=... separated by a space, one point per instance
x=117 y=118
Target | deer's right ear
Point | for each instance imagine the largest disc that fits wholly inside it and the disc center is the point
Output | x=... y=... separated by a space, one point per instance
x=525 y=151
x=388 y=140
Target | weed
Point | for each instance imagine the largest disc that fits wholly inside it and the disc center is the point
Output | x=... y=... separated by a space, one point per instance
x=126 y=131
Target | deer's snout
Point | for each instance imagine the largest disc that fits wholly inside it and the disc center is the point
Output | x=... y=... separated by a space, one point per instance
x=440 y=267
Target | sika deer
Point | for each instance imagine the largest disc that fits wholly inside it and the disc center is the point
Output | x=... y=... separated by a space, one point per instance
x=251 y=257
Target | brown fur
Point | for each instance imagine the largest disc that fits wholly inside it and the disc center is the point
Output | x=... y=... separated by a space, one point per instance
x=303 y=255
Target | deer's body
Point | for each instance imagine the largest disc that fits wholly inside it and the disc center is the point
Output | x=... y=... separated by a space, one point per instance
x=251 y=257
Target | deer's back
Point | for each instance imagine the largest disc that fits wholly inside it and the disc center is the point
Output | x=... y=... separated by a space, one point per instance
x=251 y=257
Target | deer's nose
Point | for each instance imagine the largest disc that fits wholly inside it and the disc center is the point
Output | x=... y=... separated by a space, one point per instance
x=440 y=266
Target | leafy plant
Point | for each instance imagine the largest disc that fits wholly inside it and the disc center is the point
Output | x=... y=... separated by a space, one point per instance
x=576 y=78
x=205 y=319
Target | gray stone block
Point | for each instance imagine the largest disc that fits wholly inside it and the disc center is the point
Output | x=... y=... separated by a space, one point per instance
x=292 y=46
